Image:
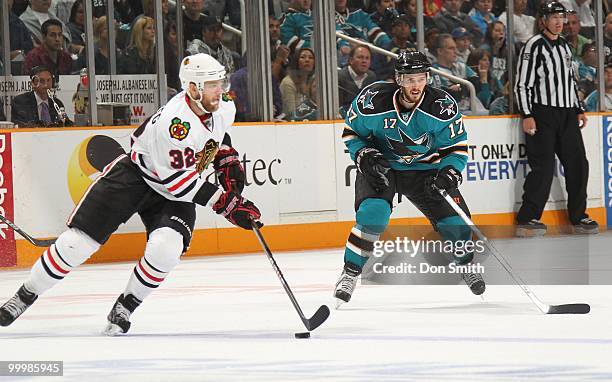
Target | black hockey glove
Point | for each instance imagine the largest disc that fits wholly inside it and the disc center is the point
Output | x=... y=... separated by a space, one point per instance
x=374 y=168
x=448 y=178
x=237 y=210
x=229 y=170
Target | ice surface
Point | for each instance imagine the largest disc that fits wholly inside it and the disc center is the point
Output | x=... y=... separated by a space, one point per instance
x=228 y=319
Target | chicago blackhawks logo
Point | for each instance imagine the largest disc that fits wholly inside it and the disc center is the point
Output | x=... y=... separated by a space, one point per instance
x=178 y=129
x=226 y=97
x=206 y=156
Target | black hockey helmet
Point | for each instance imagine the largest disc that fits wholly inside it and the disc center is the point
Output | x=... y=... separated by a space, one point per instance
x=550 y=8
x=411 y=62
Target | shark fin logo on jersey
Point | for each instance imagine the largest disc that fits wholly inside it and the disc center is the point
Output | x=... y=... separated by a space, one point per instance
x=205 y=157
x=447 y=105
x=178 y=129
x=408 y=149
x=366 y=99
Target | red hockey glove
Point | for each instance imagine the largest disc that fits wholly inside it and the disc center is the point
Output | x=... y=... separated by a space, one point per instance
x=237 y=210
x=229 y=170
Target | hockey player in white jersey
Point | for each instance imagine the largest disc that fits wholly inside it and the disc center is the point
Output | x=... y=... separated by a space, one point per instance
x=160 y=180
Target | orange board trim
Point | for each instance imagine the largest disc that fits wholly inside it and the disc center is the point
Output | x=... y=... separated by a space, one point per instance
x=287 y=237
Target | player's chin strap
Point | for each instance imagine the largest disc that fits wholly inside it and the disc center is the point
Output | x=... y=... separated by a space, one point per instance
x=198 y=102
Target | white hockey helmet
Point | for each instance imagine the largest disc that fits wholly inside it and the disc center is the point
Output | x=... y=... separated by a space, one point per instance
x=200 y=68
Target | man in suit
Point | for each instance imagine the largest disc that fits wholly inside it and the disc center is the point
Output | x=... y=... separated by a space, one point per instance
x=35 y=108
x=355 y=76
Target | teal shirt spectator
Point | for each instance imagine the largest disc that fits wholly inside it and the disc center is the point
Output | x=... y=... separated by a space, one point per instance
x=480 y=21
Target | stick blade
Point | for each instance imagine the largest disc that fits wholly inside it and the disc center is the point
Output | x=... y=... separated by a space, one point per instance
x=569 y=309
x=44 y=243
x=318 y=318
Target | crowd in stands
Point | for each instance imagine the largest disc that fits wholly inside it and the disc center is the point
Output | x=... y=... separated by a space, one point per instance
x=466 y=38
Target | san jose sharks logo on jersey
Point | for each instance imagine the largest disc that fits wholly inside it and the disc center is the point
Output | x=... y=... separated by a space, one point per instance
x=366 y=99
x=447 y=105
x=408 y=149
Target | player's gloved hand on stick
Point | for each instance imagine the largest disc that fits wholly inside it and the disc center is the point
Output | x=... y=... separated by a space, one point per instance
x=448 y=178
x=229 y=170
x=374 y=167
x=237 y=210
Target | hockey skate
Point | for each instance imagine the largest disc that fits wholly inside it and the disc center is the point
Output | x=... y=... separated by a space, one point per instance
x=119 y=316
x=475 y=282
x=16 y=305
x=532 y=228
x=346 y=284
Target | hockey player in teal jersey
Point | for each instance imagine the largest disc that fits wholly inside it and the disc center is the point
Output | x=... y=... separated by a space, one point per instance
x=406 y=138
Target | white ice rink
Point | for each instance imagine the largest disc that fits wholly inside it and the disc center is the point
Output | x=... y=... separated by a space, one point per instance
x=228 y=319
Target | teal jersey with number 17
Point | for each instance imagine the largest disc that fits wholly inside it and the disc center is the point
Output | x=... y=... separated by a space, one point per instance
x=430 y=136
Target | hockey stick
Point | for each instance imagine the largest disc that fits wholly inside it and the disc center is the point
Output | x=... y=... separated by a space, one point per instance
x=544 y=308
x=36 y=242
x=320 y=315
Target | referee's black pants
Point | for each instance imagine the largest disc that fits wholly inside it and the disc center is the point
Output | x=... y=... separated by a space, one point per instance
x=557 y=133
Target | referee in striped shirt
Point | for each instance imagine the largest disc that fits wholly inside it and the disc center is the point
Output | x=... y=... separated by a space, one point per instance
x=552 y=116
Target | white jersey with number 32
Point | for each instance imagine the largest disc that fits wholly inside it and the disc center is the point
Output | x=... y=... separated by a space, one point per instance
x=174 y=146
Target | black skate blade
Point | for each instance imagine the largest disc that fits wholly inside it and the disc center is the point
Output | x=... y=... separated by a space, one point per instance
x=569 y=309
x=317 y=319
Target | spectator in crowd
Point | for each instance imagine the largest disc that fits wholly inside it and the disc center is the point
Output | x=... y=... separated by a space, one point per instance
x=451 y=17
x=240 y=93
x=279 y=52
x=355 y=76
x=210 y=43
x=220 y=8
x=495 y=44
x=139 y=57
x=523 y=24
x=479 y=61
x=400 y=40
x=193 y=21
x=297 y=88
x=446 y=54
x=592 y=101
x=20 y=36
x=35 y=108
x=50 y=52
x=296 y=28
x=35 y=16
x=571 y=32
x=587 y=70
x=411 y=12
x=499 y=106
x=128 y=10
x=608 y=35
x=76 y=25
x=100 y=33
x=171 y=56
x=481 y=14
x=384 y=14
x=62 y=9
x=584 y=12
x=431 y=37
x=357 y=24
x=463 y=40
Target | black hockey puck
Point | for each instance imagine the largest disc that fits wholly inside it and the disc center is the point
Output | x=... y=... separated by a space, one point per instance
x=302 y=335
